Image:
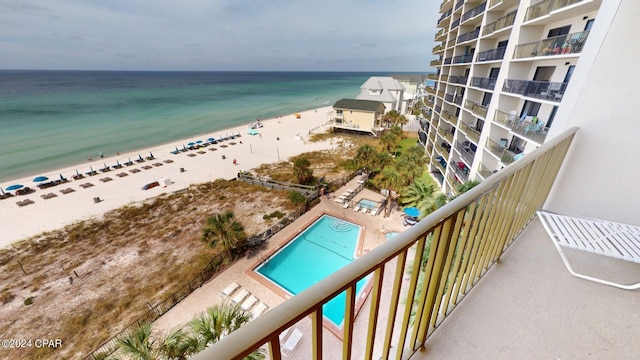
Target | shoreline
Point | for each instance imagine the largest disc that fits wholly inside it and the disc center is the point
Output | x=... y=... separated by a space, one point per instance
x=280 y=138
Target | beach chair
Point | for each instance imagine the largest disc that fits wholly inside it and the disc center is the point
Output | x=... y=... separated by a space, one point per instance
x=240 y=296
x=292 y=342
x=374 y=212
x=346 y=205
x=364 y=210
x=596 y=236
x=259 y=310
x=229 y=290
x=249 y=302
x=357 y=208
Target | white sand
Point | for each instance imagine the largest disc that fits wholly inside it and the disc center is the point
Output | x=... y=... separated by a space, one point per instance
x=18 y=223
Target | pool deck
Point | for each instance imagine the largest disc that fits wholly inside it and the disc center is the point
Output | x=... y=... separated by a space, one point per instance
x=375 y=228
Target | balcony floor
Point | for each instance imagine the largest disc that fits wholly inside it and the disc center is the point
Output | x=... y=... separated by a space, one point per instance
x=530 y=307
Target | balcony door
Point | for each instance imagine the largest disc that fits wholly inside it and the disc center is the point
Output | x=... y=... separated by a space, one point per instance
x=530 y=108
x=543 y=73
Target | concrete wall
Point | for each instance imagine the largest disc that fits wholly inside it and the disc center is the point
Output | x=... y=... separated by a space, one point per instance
x=600 y=176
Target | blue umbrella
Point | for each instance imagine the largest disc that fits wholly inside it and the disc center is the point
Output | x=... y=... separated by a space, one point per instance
x=191 y=143
x=62 y=178
x=40 y=179
x=211 y=139
x=412 y=211
x=199 y=141
x=14 y=187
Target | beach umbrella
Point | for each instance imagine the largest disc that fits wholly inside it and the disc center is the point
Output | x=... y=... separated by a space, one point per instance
x=211 y=139
x=140 y=157
x=40 y=179
x=191 y=143
x=14 y=187
x=150 y=154
x=412 y=211
x=77 y=172
x=3 y=193
x=118 y=163
x=62 y=178
x=199 y=141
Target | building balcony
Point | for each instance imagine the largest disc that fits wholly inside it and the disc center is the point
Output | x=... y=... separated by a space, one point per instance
x=440 y=35
x=474 y=12
x=438 y=108
x=452 y=119
x=449 y=97
x=557 y=45
x=493 y=3
x=437 y=48
x=472 y=132
x=499 y=149
x=545 y=7
x=404 y=318
x=435 y=63
x=462 y=80
x=468 y=36
x=448 y=60
x=465 y=151
x=430 y=90
x=500 y=24
x=504 y=118
x=552 y=91
x=455 y=24
x=442 y=151
x=433 y=77
x=441 y=95
x=474 y=107
x=484 y=83
x=458 y=5
x=444 y=20
x=446 y=5
x=453 y=182
x=461 y=170
x=439 y=162
x=492 y=55
x=451 y=43
x=484 y=172
x=461 y=59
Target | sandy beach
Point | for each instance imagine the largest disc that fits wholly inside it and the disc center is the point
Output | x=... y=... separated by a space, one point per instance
x=278 y=139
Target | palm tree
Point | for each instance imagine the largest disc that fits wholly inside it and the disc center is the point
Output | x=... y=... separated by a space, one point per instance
x=142 y=344
x=302 y=171
x=138 y=344
x=389 y=179
x=218 y=321
x=366 y=157
x=466 y=186
x=390 y=117
x=401 y=120
x=422 y=195
x=222 y=229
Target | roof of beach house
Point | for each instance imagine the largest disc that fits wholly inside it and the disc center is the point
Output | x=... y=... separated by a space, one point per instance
x=355 y=104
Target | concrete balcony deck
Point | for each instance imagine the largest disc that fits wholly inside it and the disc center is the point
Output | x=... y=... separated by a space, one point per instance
x=529 y=307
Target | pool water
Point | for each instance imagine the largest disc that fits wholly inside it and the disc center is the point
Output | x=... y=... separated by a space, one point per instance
x=367 y=204
x=391 y=235
x=320 y=250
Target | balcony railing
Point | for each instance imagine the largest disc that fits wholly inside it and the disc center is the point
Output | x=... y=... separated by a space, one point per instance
x=451 y=43
x=461 y=59
x=435 y=62
x=545 y=90
x=438 y=109
x=504 y=118
x=461 y=171
x=474 y=12
x=471 y=132
x=430 y=90
x=476 y=108
x=437 y=48
x=452 y=119
x=439 y=34
x=501 y=23
x=449 y=97
x=484 y=171
x=557 y=45
x=468 y=36
x=465 y=151
x=445 y=15
x=464 y=239
x=459 y=4
x=493 y=54
x=545 y=7
x=433 y=77
x=485 y=83
x=496 y=147
x=455 y=24
x=445 y=4
x=458 y=79
x=443 y=151
x=441 y=95
x=493 y=3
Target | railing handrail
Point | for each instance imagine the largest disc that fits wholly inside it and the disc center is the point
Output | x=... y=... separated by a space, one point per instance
x=266 y=327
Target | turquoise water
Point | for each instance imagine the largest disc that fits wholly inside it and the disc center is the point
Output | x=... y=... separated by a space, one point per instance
x=319 y=251
x=390 y=235
x=54 y=119
x=368 y=204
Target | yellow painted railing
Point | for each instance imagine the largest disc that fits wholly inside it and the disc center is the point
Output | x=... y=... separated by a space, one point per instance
x=418 y=278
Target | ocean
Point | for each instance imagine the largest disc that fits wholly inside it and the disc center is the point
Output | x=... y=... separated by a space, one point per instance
x=55 y=119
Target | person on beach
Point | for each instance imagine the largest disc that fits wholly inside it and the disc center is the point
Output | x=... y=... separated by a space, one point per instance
x=235 y=162
x=90 y=158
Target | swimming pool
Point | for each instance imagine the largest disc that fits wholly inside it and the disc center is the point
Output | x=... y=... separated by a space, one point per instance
x=367 y=204
x=322 y=248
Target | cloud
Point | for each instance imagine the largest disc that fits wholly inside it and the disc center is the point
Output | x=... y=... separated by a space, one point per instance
x=220 y=35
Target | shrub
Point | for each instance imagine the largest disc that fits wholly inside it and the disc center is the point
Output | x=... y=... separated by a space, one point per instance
x=28 y=301
x=296 y=197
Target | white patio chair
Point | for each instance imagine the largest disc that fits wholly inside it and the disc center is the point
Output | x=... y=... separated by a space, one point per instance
x=229 y=290
x=240 y=296
x=600 y=237
x=292 y=342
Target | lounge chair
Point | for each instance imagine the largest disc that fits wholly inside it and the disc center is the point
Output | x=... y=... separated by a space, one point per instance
x=364 y=210
x=249 y=302
x=346 y=205
x=339 y=200
x=240 y=296
x=259 y=310
x=357 y=208
x=229 y=289
x=292 y=342
x=600 y=237
x=374 y=212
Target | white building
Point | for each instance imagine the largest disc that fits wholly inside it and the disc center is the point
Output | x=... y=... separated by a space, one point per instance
x=385 y=89
x=505 y=70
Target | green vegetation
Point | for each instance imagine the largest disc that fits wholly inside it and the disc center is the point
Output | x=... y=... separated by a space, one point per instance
x=206 y=329
x=223 y=230
x=275 y=214
x=297 y=197
x=302 y=170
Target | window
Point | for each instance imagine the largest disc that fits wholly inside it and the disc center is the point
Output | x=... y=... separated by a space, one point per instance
x=559 y=31
x=530 y=108
x=339 y=112
x=589 y=24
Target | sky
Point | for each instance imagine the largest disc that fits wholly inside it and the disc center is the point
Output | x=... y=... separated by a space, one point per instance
x=218 y=35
